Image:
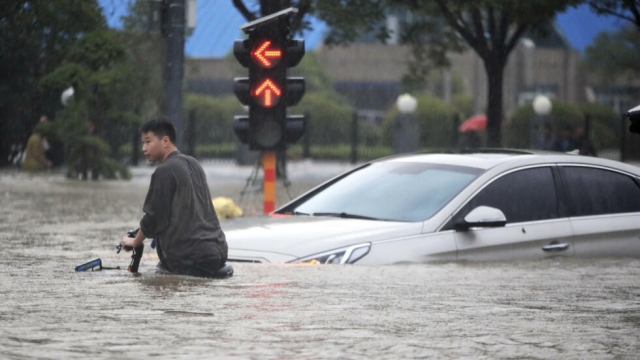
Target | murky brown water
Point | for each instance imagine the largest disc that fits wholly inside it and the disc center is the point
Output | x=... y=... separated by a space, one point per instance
x=554 y=309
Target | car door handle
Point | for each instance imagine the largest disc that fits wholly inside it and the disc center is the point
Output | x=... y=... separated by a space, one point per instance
x=556 y=247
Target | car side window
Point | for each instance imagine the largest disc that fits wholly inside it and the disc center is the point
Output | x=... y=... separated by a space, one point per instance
x=524 y=195
x=592 y=191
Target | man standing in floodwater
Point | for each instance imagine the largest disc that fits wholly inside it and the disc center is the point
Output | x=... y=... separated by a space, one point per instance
x=178 y=211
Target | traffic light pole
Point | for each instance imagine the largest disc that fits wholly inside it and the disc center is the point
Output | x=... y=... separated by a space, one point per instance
x=174 y=64
x=269 y=181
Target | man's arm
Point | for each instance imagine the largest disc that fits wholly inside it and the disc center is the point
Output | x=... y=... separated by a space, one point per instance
x=133 y=242
x=157 y=205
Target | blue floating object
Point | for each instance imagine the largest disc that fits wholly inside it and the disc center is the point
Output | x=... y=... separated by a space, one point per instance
x=91 y=265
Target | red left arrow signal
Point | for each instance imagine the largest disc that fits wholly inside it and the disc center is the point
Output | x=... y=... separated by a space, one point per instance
x=268 y=92
x=265 y=55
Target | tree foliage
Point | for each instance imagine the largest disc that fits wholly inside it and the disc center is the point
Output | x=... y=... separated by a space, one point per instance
x=615 y=55
x=628 y=10
x=96 y=67
x=35 y=36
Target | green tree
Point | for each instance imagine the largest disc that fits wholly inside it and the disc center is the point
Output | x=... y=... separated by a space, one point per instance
x=96 y=67
x=615 y=55
x=145 y=49
x=628 y=10
x=35 y=36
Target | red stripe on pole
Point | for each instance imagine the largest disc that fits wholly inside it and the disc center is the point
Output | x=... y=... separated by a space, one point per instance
x=270 y=175
x=269 y=206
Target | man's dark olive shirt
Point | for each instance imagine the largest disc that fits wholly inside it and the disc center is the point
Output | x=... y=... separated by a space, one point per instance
x=179 y=214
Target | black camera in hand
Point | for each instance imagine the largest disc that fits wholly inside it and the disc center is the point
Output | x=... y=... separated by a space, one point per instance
x=634 y=117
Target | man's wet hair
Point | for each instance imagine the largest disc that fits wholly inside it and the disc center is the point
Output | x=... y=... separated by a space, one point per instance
x=160 y=127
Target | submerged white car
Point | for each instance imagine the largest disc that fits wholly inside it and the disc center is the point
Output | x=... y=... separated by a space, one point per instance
x=500 y=205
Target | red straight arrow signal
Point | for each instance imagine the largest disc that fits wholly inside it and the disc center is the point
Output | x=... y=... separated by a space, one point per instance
x=267 y=57
x=270 y=91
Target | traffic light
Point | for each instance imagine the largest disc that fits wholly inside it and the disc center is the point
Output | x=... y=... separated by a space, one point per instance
x=268 y=53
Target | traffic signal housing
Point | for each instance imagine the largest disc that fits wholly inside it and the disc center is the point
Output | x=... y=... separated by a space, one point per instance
x=268 y=91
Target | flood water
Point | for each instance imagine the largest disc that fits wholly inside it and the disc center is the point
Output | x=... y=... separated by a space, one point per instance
x=552 y=309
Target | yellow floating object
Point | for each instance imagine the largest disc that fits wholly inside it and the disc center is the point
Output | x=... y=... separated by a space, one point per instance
x=226 y=208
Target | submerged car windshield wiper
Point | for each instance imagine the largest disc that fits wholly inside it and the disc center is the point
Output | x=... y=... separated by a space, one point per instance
x=344 y=215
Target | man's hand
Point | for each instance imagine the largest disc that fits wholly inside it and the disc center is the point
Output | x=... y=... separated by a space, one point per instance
x=128 y=243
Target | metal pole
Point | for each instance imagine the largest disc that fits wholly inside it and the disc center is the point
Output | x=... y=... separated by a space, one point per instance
x=354 y=138
x=454 y=134
x=191 y=130
x=174 y=65
x=269 y=181
x=135 y=144
x=623 y=138
x=306 y=144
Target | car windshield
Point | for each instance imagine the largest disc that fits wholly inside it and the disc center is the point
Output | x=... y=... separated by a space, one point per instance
x=394 y=191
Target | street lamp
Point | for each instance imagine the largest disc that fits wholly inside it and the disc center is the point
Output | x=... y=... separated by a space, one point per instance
x=406 y=104
x=406 y=128
x=542 y=107
x=67 y=96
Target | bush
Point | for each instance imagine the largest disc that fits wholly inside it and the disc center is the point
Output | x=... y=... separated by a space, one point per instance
x=214 y=117
x=329 y=119
x=517 y=133
x=602 y=124
x=84 y=152
x=436 y=123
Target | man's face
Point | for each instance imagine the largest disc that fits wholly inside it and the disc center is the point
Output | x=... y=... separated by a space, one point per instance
x=153 y=146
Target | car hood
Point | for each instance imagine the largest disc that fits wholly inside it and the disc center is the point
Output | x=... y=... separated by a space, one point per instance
x=286 y=238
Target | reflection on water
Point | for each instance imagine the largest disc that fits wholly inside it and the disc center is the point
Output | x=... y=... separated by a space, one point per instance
x=549 y=309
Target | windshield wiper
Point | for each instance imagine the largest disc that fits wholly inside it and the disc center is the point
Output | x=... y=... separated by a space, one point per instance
x=344 y=215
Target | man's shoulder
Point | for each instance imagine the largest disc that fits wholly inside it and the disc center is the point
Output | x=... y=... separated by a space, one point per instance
x=178 y=161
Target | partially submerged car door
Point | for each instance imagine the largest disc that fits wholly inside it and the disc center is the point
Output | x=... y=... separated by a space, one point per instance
x=604 y=208
x=536 y=223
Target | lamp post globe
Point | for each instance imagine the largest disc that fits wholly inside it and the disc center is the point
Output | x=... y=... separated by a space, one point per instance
x=406 y=137
x=542 y=105
x=406 y=104
x=67 y=96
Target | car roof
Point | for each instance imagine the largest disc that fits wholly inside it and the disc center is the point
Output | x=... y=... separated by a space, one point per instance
x=489 y=158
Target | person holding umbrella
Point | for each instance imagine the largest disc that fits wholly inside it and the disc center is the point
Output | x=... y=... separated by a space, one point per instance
x=469 y=129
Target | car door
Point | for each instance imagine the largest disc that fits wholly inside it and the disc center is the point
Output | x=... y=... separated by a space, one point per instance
x=604 y=210
x=537 y=225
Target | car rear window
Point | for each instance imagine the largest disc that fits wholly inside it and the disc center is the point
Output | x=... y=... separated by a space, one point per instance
x=593 y=191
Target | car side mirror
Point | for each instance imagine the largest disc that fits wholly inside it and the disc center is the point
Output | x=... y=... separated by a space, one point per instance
x=634 y=117
x=482 y=216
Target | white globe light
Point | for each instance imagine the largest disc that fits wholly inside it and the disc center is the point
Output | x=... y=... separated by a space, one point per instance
x=542 y=105
x=406 y=103
x=67 y=96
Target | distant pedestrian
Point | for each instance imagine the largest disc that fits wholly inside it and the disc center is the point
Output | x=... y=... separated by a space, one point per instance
x=583 y=143
x=16 y=155
x=90 y=159
x=566 y=142
x=546 y=140
x=469 y=140
x=35 y=158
